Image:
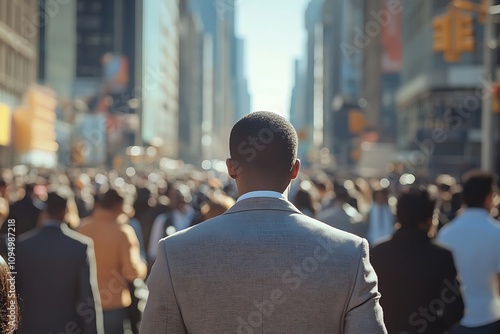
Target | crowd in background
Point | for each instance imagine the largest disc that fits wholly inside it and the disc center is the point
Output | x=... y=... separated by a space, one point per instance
x=126 y=214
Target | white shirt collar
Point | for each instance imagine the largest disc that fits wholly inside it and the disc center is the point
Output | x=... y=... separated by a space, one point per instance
x=262 y=193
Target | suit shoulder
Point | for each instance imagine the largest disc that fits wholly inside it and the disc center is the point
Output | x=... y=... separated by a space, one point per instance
x=440 y=249
x=321 y=227
x=77 y=237
x=382 y=247
x=125 y=228
x=28 y=236
x=126 y=232
x=202 y=229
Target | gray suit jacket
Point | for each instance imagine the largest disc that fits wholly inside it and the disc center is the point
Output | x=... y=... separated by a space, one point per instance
x=263 y=267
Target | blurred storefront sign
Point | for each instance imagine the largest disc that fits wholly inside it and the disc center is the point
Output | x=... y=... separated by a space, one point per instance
x=34 y=128
x=5 y=125
x=89 y=140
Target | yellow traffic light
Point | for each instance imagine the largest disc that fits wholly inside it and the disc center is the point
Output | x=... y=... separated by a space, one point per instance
x=464 y=28
x=454 y=32
x=442 y=33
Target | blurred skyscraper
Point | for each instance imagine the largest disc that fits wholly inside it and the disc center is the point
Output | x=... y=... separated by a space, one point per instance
x=241 y=87
x=222 y=93
x=191 y=50
x=160 y=75
x=330 y=74
x=382 y=64
x=298 y=111
x=128 y=72
x=18 y=63
x=90 y=54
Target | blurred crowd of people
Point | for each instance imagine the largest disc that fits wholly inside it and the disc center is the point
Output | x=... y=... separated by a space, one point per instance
x=72 y=224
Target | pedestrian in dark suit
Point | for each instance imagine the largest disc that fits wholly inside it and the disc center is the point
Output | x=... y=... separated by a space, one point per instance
x=25 y=212
x=262 y=266
x=56 y=277
x=417 y=278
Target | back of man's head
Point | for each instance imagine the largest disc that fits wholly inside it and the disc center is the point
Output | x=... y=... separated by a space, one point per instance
x=477 y=186
x=414 y=207
x=56 y=205
x=341 y=193
x=264 y=141
x=110 y=200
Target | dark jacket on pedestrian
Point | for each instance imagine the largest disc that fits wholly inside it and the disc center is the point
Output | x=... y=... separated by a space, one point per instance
x=418 y=284
x=56 y=282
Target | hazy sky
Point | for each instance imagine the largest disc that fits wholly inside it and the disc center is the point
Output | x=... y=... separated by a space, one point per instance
x=274 y=36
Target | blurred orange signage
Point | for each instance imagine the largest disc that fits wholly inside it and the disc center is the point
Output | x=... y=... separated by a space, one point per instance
x=34 y=122
x=5 y=124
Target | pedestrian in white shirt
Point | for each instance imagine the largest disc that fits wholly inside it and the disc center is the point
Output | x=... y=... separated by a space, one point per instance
x=380 y=218
x=474 y=239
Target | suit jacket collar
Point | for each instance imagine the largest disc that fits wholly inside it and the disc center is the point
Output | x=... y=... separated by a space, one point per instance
x=262 y=203
x=411 y=235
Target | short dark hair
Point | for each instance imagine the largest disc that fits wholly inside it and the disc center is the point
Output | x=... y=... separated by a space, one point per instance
x=56 y=203
x=265 y=141
x=109 y=199
x=477 y=185
x=415 y=206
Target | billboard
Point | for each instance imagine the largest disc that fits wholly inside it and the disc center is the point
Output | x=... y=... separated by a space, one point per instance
x=116 y=73
x=391 y=43
x=89 y=139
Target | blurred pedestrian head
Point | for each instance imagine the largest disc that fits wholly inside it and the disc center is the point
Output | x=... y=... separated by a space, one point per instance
x=216 y=205
x=263 y=145
x=415 y=208
x=141 y=203
x=341 y=193
x=478 y=189
x=9 y=312
x=29 y=189
x=56 y=206
x=380 y=196
x=3 y=187
x=110 y=200
x=322 y=183
x=305 y=199
x=179 y=195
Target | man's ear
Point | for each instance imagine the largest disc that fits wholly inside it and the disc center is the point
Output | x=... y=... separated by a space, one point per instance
x=295 y=170
x=232 y=167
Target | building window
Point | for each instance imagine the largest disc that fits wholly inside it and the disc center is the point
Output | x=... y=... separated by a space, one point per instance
x=16 y=73
x=89 y=23
x=95 y=7
x=8 y=13
x=18 y=19
x=2 y=59
x=8 y=65
x=3 y=10
x=93 y=40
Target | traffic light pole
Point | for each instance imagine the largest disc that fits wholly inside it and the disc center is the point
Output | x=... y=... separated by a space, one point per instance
x=488 y=124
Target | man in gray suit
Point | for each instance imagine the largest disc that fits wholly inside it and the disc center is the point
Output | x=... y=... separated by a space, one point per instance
x=263 y=267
